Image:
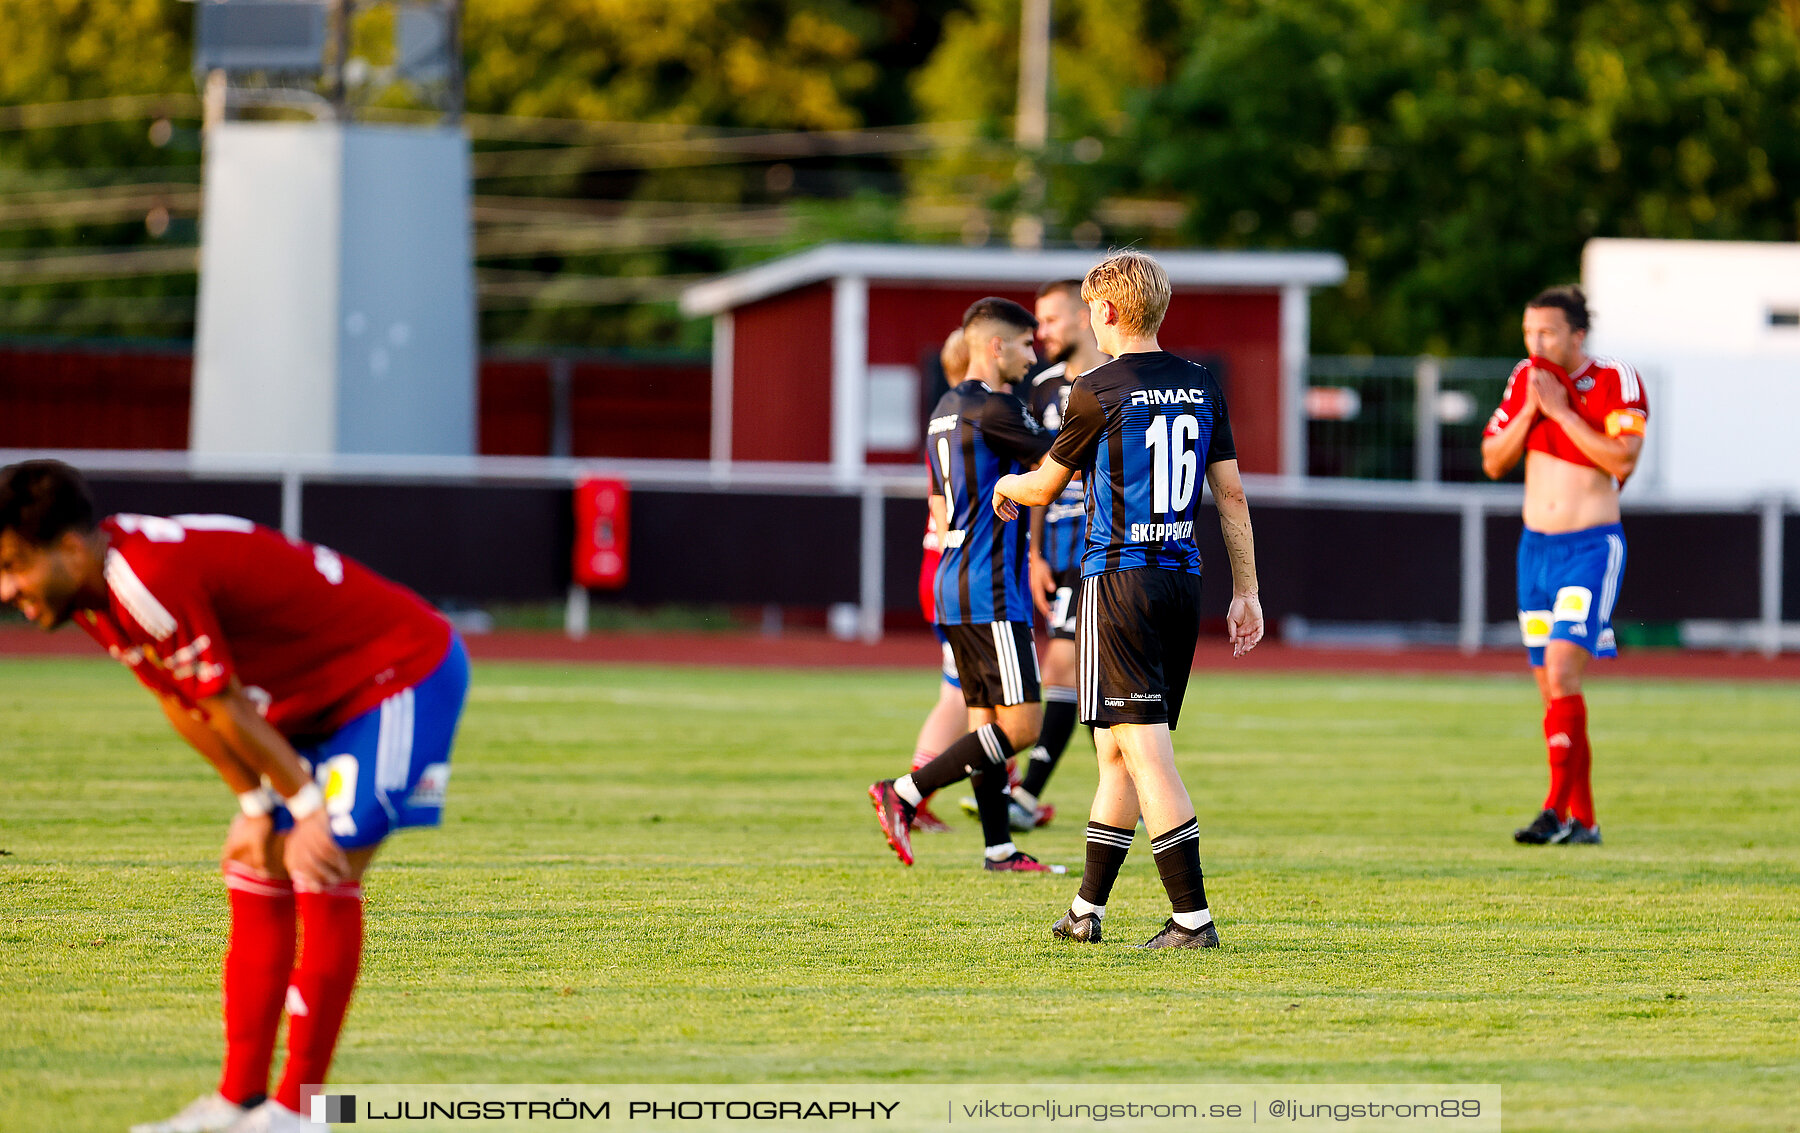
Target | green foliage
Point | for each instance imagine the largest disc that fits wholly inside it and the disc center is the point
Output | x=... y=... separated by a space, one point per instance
x=712 y=62
x=1460 y=155
x=67 y=50
x=1102 y=52
x=666 y=875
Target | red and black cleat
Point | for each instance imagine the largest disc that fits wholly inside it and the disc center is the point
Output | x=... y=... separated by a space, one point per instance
x=1021 y=862
x=895 y=815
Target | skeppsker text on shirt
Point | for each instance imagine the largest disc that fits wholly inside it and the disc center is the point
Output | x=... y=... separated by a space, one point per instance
x=1033 y=1106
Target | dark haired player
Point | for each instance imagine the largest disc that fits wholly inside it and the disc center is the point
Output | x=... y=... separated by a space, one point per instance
x=326 y=697
x=1057 y=533
x=1142 y=429
x=948 y=719
x=1579 y=423
x=978 y=433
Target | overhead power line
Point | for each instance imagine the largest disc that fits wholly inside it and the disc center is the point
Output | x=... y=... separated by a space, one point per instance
x=86 y=111
x=68 y=267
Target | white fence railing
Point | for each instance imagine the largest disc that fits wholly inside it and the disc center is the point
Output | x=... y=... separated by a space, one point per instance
x=1472 y=503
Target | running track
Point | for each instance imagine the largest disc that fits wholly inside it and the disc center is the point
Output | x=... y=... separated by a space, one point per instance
x=813 y=650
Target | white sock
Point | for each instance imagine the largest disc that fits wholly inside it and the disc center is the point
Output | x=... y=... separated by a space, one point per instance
x=1001 y=852
x=903 y=787
x=1086 y=908
x=1025 y=798
x=1193 y=921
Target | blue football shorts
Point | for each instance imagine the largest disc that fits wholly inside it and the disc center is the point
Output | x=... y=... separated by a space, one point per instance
x=950 y=675
x=1567 y=586
x=388 y=768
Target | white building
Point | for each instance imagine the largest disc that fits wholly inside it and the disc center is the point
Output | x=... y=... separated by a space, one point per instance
x=1714 y=329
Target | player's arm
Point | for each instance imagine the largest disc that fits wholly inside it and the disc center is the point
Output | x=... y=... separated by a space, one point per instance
x=251 y=839
x=237 y=775
x=1616 y=453
x=940 y=515
x=1083 y=423
x=1503 y=443
x=1031 y=489
x=1043 y=579
x=313 y=856
x=1244 y=622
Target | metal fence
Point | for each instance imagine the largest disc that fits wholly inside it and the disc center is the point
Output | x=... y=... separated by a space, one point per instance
x=1389 y=418
x=1425 y=561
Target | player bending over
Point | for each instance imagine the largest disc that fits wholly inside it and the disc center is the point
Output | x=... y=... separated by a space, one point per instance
x=978 y=433
x=1140 y=429
x=1579 y=423
x=327 y=698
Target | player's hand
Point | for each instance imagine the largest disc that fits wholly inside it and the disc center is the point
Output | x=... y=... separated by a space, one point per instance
x=1552 y=399
x=314 y=859
x=1004 y=506
x=1244 y=624
x=1043 y=585
x=251 y=841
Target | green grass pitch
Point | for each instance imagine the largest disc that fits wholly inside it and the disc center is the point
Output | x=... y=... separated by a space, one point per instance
x=673 y=875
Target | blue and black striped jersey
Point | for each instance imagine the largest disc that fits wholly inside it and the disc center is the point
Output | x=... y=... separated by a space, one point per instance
x=975 y=437
x=1143 y=429
x=1065 y=520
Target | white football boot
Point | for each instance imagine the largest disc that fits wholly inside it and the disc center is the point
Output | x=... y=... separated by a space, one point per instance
x=210 y=1114
x=273 y=1117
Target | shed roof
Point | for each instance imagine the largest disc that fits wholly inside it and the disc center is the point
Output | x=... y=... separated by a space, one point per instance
x=926 y=263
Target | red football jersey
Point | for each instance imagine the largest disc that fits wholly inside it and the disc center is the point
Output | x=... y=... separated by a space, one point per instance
x=316 y=639
x=1604 y=391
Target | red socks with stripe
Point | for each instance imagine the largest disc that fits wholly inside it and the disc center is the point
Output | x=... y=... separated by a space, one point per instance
x=257 y=962
x=331 y=927
x=1566 y=740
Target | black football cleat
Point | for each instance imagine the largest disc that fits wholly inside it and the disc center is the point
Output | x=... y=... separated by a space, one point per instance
x=1174 y=936
x=1544 y=829
x=1575 y=834
x=1082 y=928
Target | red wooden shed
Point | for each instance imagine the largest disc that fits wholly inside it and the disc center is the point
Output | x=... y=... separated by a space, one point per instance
x=818 y=358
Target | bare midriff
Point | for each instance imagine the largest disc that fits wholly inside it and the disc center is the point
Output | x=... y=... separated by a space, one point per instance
x=1562 y=497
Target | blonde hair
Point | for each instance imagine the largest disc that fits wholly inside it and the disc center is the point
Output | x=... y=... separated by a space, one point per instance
x=1134 y=283
x=955 y=356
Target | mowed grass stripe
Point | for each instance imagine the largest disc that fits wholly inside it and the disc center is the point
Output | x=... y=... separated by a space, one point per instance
x=665 y=874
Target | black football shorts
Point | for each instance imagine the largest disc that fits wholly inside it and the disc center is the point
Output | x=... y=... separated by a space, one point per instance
x=1063 y=603
x=1137 y=633
x=997 y=662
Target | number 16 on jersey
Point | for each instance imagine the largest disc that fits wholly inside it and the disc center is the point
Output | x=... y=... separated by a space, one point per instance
x=1174 y=462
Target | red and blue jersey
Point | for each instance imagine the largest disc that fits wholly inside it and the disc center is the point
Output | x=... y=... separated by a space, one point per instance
x=1143 y=429
x=196 y=601
x=975 y=437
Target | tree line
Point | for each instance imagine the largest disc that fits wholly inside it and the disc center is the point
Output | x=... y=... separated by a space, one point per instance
x=1457 y=154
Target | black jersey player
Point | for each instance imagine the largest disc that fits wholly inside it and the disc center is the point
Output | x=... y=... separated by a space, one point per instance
x=1143 y=429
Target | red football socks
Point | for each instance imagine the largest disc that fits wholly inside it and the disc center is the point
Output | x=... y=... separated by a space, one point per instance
x=257 y=962
x=1566 y=739
x=331 y=926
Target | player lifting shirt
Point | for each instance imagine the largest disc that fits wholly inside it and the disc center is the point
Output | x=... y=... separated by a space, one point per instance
x=326 y=697
x=1579 y=424
x=978 y=433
